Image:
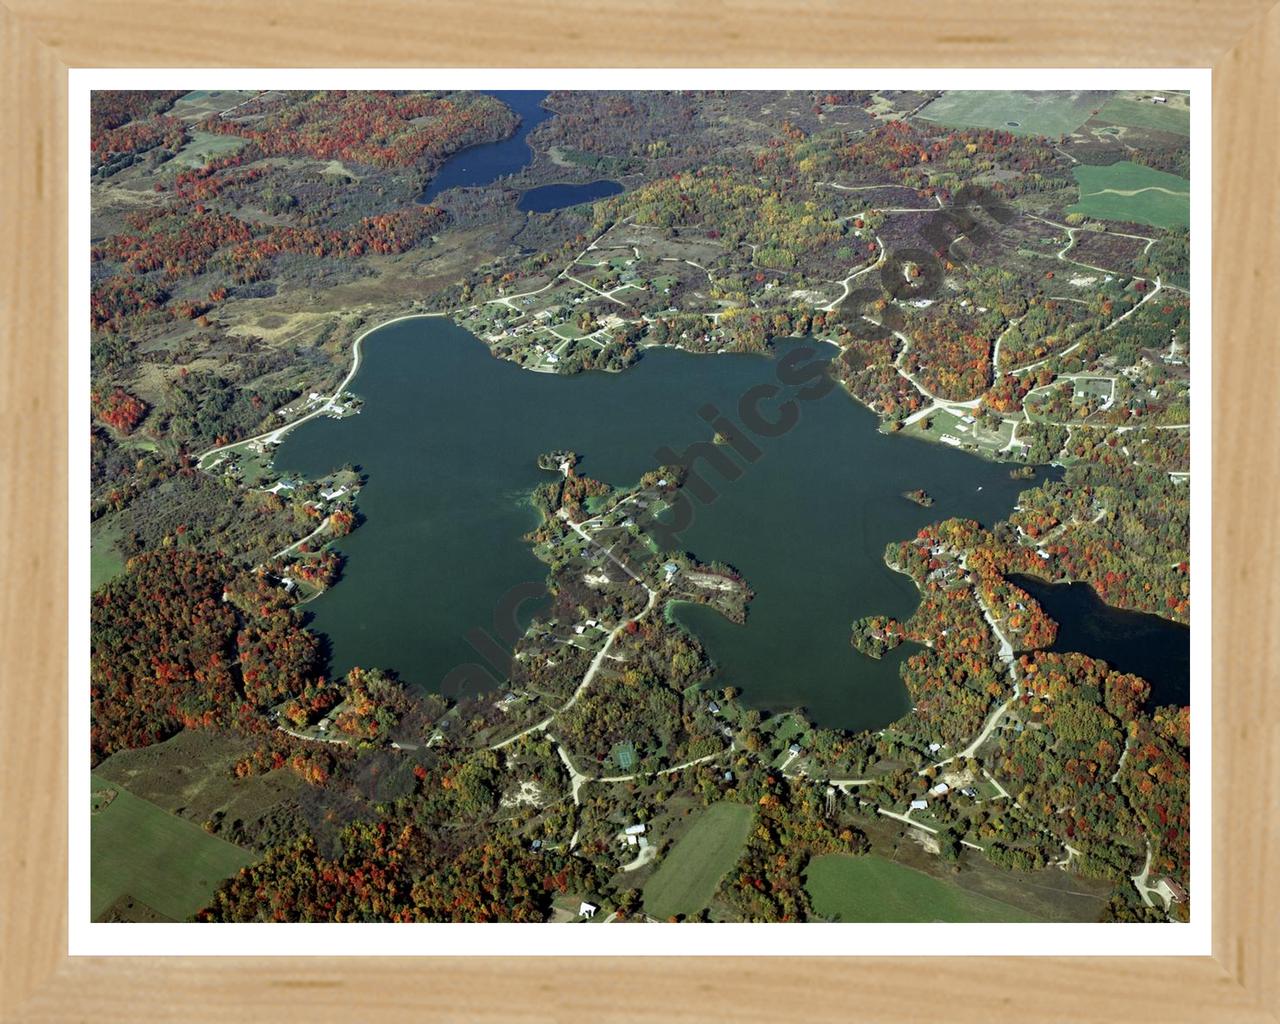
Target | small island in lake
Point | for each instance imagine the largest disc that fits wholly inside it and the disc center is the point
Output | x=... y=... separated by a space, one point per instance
x=876 y=635
x=922 y=498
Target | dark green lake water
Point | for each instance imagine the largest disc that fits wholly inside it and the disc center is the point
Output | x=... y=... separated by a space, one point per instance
x=1146 y=645
x=449 y=436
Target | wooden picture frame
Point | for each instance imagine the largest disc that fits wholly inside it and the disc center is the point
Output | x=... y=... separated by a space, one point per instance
x=41 y=39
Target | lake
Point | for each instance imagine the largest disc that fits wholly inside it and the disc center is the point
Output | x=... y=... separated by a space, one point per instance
x=482 y=165
x=449 y=436
x=546 y=198
x=1146 y=645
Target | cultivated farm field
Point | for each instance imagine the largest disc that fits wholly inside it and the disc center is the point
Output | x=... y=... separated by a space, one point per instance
x=170 y=865
x=1047 y=113
x=688 y=877
x=1131 y=192
x=845 y=888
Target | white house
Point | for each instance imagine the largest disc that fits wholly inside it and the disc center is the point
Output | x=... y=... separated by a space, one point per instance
x=587 y=910
x=634 y=830
x=940 y=789
x=919 y=805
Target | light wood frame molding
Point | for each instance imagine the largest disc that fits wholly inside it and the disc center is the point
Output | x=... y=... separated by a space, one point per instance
x=41 y=39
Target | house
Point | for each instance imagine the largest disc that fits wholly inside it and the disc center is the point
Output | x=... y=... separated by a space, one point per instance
x=1171 y=891
x=670 y=569
x=728 y=776
x=919 y=805
x=579 y=630
x=934 y=747
x=324 y=725
x=587 y=910
x=331 y=495
x=1043 y=553
x=713 y=707
x=633 y=830
x=941 y=789
x=969 y=791
x=794 y=748
x=1159 y=99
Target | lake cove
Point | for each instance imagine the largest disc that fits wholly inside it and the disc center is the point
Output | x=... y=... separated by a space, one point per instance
x=449 y=438
x=1146 y=645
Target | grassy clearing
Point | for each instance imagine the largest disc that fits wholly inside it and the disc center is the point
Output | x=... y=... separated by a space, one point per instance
x=1134 y=113
x=690 y=873
x=205 y=146
x=105 y=560
x=199 y=104
x=140 y=851
x=872 y=889
x=1036 y=113
x=1130 y=192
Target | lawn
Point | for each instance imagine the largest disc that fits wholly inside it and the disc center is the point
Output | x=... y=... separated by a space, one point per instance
x=138 y=850
x=1137 y=114
x=1130 y=192
x=872 y=889
x=690 y=873
x=1035 y=113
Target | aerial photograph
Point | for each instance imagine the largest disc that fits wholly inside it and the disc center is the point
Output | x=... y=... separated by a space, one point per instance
x=601 y=507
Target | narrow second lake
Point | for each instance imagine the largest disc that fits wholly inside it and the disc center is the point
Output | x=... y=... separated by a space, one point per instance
x=546 y=198
x=449 y=437
x=486 y=163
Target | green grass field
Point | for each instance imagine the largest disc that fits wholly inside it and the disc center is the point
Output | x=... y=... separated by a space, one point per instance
x=105 y=560
x=690 y=873
x=1036 y=113
x=1136 y=114
x=205 y=146
x=164 y=861
x=872 y=889
x=1130 y=192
